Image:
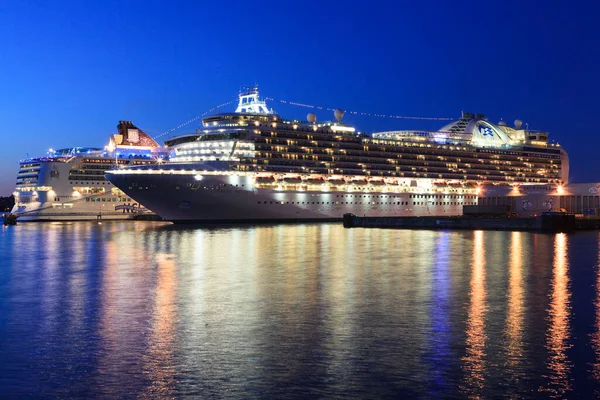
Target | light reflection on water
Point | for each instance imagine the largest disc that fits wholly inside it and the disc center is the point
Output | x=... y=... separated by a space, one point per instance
x=159 y=363
x=515 y=345
x=153 y=310
x=557 y=337
x=595 y=335
x=475 y=359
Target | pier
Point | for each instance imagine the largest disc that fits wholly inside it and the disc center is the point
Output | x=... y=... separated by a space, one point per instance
x=9 y=219
x=546 y=222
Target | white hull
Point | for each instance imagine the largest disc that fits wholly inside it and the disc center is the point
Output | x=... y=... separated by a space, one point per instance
x=182 y=198
x=46 y=191
x=80 y=210
x=71 y=217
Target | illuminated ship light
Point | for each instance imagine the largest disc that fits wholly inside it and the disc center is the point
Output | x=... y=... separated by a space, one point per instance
x=252 y=158
x=69 y=183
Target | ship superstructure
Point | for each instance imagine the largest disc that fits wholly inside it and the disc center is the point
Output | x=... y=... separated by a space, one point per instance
x=252 y=165
x=69 y=183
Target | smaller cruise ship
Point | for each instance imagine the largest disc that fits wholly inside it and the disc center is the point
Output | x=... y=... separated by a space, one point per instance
x=69 y=184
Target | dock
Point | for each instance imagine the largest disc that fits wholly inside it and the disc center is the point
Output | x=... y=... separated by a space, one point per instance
x=545 y=222
x=147 y=217
x=9 y=219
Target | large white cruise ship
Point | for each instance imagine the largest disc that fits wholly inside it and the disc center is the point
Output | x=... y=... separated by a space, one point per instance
x=69 y=184
x=253 y=166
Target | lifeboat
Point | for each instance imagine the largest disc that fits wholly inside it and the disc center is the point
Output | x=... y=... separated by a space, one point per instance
x=376 y=182
x=315 y=180
x=292 y=179
x=336 y=181
x=265 y=179
x=359 y=181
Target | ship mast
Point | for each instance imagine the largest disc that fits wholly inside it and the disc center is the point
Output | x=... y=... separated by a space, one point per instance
x=250 y=102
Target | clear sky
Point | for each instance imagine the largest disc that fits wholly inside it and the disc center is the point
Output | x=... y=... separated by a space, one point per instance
x=70 y=70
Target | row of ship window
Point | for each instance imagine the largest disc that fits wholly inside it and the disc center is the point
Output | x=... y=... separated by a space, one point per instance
x=273 y=151
x=90 y=183
x=353 y=167
x=353 y=142
x=324 y=170
x=412 y=196
x=81 y=167
x=107 y=199
x=88 y=178
x=399 y=203
x=27 y=180
x=119 y=160
x=196 y=186
x=357 y=165
x=28 y=170
x=307 y=153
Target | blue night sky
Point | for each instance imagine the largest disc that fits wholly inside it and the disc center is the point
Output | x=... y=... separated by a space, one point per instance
x=70 y=70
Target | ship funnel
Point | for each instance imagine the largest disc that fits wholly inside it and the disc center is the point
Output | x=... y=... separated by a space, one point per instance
x=339 y=114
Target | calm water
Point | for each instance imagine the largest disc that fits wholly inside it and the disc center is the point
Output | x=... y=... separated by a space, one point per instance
x=153 y=310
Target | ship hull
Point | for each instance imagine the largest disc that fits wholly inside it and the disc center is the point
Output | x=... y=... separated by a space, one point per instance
x=79 y=210
x=56 y=197
x=188 y=198
x=71 y=218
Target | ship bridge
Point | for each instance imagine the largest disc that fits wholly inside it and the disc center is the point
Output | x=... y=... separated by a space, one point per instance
x=251 y=108
x=251 y=103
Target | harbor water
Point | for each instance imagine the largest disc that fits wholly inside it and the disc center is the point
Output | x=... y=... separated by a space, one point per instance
x=154 y=310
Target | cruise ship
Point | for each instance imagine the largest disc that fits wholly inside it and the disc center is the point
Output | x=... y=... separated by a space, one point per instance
x=69 y=184
x=253 y=166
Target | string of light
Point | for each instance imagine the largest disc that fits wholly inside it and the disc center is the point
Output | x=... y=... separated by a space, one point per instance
x=195 y=118
x=294 y=103
x=361 y=113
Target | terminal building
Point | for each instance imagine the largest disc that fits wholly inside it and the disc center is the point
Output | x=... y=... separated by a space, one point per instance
x=577 y=198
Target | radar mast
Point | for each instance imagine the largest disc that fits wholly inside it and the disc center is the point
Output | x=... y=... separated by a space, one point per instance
x=250 y=102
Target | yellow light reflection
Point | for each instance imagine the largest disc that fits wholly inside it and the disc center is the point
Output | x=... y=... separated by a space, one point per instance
x=557 y=338
x=595 y=337
x=159 y=363
x=514 y=316
x=474 y=360
x=127 y=270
